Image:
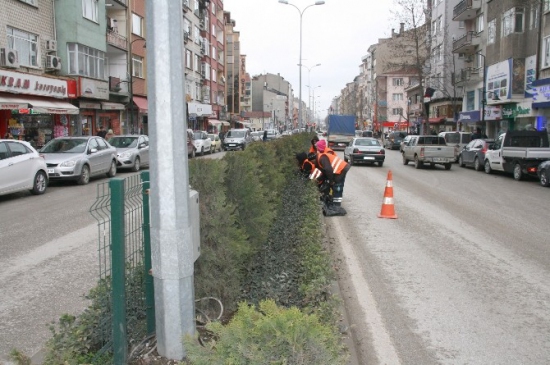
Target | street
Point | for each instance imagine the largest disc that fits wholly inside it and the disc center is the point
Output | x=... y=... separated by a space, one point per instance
x=460 y=277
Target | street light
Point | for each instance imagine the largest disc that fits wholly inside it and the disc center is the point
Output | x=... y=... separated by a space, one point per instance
x=301 y=12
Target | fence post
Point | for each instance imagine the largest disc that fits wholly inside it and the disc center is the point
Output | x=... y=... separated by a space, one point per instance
x=118 y=279
x=149 y=284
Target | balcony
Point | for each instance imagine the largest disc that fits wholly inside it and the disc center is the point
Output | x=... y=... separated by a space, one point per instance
x=116 y=40
x=467 y=44
x=117 y=4
x=466 y=10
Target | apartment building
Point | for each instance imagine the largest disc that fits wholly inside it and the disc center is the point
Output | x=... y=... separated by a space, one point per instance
x=271 y=93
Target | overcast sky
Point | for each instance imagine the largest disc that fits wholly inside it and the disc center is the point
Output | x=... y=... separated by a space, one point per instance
x=336 y=35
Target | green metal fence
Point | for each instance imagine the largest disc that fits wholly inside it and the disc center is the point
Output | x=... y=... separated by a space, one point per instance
x=122 y=212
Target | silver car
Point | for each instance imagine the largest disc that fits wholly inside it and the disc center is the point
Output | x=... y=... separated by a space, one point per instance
x=79 y=158
x=237 y=139
x=21 y=168
x=365 y=150
x=132 y=151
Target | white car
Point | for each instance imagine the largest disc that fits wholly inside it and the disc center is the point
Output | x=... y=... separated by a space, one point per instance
x=216 y=142
x=202 y=142
x=21 y=168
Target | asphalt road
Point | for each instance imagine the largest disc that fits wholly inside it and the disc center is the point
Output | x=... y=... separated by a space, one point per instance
x=462 y=276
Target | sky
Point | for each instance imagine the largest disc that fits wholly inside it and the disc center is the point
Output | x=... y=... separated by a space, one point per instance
x=336 y=34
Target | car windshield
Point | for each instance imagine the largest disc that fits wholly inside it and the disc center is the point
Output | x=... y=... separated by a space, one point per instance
x=367 y=142
x=62 y=145
x=452 y=138
x=124 y=142
x=198 y=135
x=235 y=134
x=212 y=137
x=271 y=131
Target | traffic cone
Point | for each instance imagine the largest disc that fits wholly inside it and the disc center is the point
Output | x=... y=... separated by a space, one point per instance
x=388 y=210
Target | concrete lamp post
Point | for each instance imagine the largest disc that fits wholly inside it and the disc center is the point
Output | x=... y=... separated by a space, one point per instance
x=321 y=2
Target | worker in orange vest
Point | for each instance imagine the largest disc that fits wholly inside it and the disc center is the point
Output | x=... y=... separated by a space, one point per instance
x=313 y=148
x=334 y=169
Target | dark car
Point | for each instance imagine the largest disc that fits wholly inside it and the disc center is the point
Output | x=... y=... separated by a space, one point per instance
x=473 y=154
x=393 y=142
x=365 y=150
x=543 y=173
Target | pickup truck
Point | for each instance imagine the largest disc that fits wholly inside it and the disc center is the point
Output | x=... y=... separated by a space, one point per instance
x=518 y=153
x=432 y=150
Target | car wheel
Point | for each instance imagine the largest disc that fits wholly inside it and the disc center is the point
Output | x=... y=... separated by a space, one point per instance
x=518 y=174
x=351 y=161
x=460 y=161
x=39 y=184
x=112 y=170
x=448 y=166
x=417 y=163
x=210 y=151
x=544 y=178
x=487 y=167
x=345 y=159
x=380 y=163
x=84 y=175
x=405 y=161
x=137 y=165
x=477 y=165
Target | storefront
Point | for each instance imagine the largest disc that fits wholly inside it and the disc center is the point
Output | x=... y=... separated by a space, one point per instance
x=541 y=103
x=34 y=108
x=139 y=122
x=198 y=115
x=94 y=114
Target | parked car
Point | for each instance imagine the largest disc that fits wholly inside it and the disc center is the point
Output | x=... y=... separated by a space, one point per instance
x=202 y=142
x=365 y=150
x=21 y=168
x=132 y=151
x=272 y=134
x=457 y=140
x=216 y=142
x=79 y=158
x=191 y=143
x=473 y=154
x=237 y=139
x=393 y=141
x=428 y=149
x=543 y=173
x=257 y=135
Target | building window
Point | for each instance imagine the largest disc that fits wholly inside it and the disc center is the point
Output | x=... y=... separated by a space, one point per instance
x=397 y=97
x=398 y=81
x=26 y=45
x=197 y=63
x=90 y=10
x=480 y=23
x=546 y=58
x=461 y=24
x=197 y=34
x=439 y=24
x=546 y=6
x=213 y=52
x=397 y=111
x=137 y=25
x=137 y=66
x=470 y=100
x=512 y=21
x=491 y=31
x=86 y=61
x=188 y=58
x=534 y=18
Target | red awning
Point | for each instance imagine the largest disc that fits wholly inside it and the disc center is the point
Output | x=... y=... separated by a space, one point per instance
x=436 y=120
x=395 y=124
x=142 y=104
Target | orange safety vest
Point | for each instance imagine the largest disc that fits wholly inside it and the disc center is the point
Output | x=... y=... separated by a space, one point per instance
x=315 y=173
x=336 y=162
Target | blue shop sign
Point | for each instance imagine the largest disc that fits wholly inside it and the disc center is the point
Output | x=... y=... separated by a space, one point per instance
x=541 y=93
x=469 y=117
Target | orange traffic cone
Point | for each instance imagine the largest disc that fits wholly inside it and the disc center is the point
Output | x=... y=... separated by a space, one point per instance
x=388 y=210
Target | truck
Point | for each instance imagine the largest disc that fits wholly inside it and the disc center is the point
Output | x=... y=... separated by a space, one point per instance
x=341 y=131
x=428 y=149
x=518 y=153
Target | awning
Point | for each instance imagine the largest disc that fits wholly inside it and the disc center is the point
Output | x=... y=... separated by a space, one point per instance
x=141 y=104
x=112 y=106
x=214 y=122
x=436 y=120
x=10 y=103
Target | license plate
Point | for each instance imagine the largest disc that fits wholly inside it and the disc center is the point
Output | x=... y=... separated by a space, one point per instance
x=368 y=158
x=438 y=160
x=232 y=145
x=51 y=171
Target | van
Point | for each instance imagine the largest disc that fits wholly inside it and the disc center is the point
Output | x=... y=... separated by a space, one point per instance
x=237 y=139
x=456 y=139
x=393 y=142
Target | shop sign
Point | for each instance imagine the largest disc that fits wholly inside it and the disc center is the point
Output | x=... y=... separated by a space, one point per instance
x=94 y=89
x=499 y=79
x=493 y=112
x=541 y=93
x=88 y=105
x=199 y=109
x=469 y=117
x=20 y=83
x=530 y=72
x=517 y=110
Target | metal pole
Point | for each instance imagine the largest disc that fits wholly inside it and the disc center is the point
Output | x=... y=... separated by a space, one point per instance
x=171 y=244
x=483 y=100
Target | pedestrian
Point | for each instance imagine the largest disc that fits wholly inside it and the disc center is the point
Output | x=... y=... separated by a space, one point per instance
x=101 y=133
x=8 y=135
x=109 y=134
x=478 y=134
x=307 y=166
x=334 y=170
x=265 y=136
